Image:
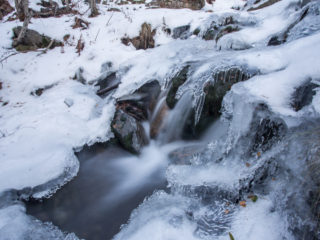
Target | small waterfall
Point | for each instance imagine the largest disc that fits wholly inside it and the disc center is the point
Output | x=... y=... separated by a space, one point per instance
x=175 y=122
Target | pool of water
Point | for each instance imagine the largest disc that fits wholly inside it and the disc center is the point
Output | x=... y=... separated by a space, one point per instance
x=110 y=184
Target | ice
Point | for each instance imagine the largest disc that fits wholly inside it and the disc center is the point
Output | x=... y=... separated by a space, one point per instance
x=15 y=225
x=256 y=221
x=161 y=216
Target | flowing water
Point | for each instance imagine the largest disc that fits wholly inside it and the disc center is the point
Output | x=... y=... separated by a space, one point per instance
x=111 y=183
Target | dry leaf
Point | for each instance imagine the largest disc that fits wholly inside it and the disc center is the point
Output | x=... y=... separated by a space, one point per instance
x=243 y=203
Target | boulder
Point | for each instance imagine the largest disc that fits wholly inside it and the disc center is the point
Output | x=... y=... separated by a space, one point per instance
x=144 y=40
x=221 y=27
x=175 y=4
x=33 y=40
x=275 y=41
x=215 y=90
x=107 y=82
x=303 y=95
x=182 y=32
x=142 y=101
x=129 y=131
x=179 y=79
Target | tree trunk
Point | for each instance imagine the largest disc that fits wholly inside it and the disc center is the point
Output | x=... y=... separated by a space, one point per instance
x=19 y=5
x=94 y=9
x=67 y=4
x=27 y=17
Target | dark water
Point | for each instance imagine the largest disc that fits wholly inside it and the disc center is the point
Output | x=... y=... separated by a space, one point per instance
x=109 y=185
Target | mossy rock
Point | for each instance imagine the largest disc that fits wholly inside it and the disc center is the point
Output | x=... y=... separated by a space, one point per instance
x=196 y=31
x=25 y=48
x=33 y=40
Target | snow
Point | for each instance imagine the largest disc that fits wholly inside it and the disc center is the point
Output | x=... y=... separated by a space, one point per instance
x=296 y=62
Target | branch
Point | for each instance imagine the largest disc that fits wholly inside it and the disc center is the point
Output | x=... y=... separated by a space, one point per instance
x=5 y=58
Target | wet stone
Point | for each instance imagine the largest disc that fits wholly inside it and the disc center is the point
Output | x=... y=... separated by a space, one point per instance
x=179 y=79
x=129 y=132
x=303 y=95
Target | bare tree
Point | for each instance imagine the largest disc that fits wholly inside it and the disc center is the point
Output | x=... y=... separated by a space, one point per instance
x=68 y=4
x=22 y=8
x=19 y=5
x=94 y=9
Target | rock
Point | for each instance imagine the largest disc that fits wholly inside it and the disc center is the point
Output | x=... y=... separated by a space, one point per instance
x=175 y=83
x=79 y=76
x=226 y=30
x=218 y=29
x=181 y=32
x=142 y=101
x=5 y=8
x=263 y=5
x=185 y=155
x=267 y=131
x=275 y=41
x=129 y=131
x=69 y=102
x=144 y=40
x=175 y=4
x=39 y=91
x=33 y=40
x=210 y=34
x=107 y=82
x=214 y=93
x=303 y=95
x=106 y=67
x=196 y=31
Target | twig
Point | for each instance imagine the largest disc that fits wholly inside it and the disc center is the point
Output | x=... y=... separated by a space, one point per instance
x=97 y=35
x=110 y=19
x=5 y=58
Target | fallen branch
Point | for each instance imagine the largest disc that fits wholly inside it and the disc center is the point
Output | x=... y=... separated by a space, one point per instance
x=108 y=89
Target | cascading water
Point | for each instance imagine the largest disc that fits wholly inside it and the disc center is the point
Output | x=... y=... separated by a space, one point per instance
x=111 y=182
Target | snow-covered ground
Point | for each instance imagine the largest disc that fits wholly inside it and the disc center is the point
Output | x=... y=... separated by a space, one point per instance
x=39 y=134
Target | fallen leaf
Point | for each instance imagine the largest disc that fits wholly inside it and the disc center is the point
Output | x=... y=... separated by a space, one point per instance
x=253 y=198
x=248 y=164
x=243 y=203
x=226 y=211
x=231 y=236
x=259 y=154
